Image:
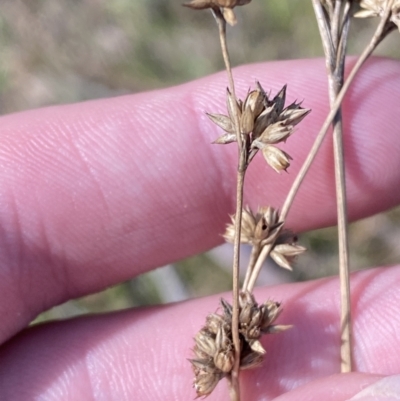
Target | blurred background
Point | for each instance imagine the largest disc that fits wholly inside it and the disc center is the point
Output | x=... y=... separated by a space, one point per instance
x=60 y=51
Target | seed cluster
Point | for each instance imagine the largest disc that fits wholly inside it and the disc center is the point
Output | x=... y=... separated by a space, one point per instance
x=264 y=228
x=376 y=8
x=263 y=123
x=225 y=6
x=214 y=350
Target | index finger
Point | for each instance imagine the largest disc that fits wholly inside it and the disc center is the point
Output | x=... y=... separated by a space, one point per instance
x=95 y=193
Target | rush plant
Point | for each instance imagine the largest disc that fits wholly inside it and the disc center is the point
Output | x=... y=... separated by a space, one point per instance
x=229 y=341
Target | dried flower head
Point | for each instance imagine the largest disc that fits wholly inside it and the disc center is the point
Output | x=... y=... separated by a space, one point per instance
x=214 y=351
x=256 y=229
x=376 y=8
x=226 y=7
x=263 y=123
x=286 y=249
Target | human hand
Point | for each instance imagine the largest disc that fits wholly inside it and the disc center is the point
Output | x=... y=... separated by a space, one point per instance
x=95 y=193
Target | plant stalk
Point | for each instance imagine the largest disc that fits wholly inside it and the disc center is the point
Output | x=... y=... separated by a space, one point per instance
x=242 y=164
x=334 y=35
x=380 y=33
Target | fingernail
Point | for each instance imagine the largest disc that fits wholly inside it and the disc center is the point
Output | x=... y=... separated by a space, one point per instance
x=386 y=389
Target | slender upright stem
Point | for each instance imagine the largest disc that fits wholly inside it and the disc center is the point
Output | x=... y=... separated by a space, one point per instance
x=334 y=35
x=381 y=31
x=255 y=252
x=377 y=38
x=234 y=379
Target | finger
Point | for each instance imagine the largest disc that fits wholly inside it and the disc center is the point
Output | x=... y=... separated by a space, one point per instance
x=141 y=354
x=98 y=192
x=352 y=386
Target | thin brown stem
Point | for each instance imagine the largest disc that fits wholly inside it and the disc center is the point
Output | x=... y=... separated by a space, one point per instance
x=242 y=163
x=381 y=31
x=334 y=44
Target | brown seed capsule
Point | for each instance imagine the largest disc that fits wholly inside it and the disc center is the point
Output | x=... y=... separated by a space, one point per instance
x=274 y=133
x=224 y=361
x=268 y=116
x=222 y=340
x=276 y=158
x=255 y=101
x=247 y=121
x=214 y=322
x=205 y=342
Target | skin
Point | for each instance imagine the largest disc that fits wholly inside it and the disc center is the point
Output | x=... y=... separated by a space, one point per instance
x=95 y=193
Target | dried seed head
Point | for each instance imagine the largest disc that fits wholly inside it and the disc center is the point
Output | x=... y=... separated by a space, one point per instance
x=214 y=350
x=376 y=8
x=262 y=123
x=284 y=254
x=260 y=228
x=226 y=7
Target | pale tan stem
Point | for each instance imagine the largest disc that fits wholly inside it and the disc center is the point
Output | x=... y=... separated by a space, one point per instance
x=334 y=42
x=377 y=38
x=234 y=390
x=335 y=107
x=255 y=251
x=242 y=163
x=257 y=267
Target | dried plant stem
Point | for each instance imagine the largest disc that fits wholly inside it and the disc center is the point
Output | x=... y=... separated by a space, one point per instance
x=378 y=36
x=255 y=252
x=257 y=267
x=334 y=35
x=234 y=379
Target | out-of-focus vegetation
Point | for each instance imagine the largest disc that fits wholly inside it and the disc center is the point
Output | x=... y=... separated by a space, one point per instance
x=58 y=51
